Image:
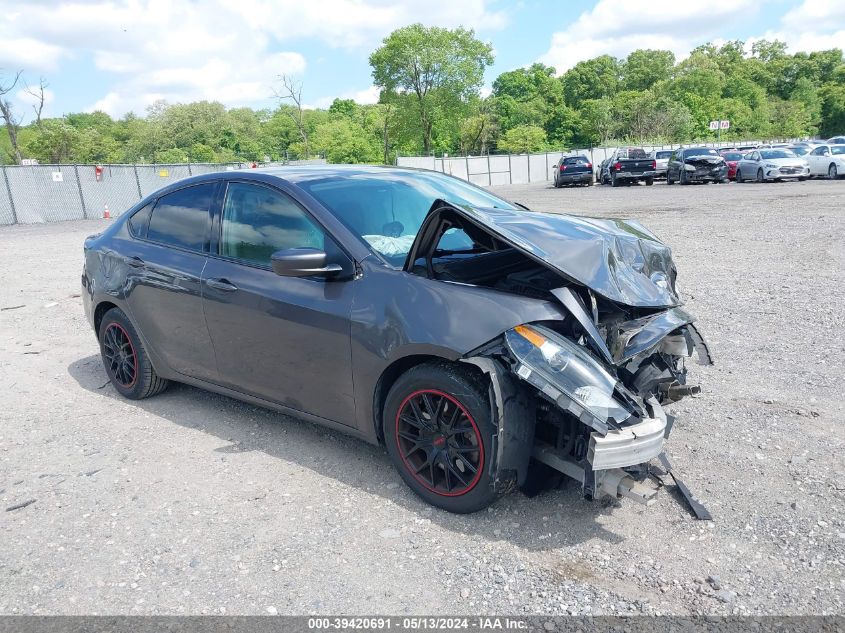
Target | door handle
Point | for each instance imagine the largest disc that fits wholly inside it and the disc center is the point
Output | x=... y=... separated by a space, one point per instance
x=135 y=261
x=221 y=284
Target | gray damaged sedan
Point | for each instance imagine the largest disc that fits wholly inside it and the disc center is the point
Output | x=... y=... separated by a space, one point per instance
x=483 y=344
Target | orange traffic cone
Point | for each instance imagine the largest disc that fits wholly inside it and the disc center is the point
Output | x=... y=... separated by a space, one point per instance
x=106 y=214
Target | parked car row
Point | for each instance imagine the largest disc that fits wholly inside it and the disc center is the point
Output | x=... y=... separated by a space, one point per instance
x=686 y=165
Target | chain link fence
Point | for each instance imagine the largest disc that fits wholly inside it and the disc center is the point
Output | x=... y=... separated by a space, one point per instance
x=54 y=193
x=513 y=169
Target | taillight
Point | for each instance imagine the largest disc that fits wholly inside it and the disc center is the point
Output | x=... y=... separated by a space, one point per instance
x=563 y=167
x=617 y=166
x=589 y=165
x=654 y=164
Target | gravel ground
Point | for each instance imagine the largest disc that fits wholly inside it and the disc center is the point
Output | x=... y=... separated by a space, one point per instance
x=195 y=503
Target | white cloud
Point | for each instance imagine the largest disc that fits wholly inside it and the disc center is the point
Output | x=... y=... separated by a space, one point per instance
x=27 y=97
x=815 y=25
x=816 y=15
x=358 y=23
x=226 y=50
x=365 y=97
x=678 y=27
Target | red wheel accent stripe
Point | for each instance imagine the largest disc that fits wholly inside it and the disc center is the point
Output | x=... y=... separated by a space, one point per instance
x=475 y=479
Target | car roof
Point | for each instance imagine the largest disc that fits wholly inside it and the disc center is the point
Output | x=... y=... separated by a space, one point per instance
x=296 y=173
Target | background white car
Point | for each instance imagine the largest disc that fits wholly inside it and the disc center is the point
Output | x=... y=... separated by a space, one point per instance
x=827 y=160
x=661 y=161
x=771 y=164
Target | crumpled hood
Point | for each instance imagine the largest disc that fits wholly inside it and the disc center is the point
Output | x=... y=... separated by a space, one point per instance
x=620 y=260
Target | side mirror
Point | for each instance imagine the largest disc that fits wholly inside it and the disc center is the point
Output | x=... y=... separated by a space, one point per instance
x=302 y=262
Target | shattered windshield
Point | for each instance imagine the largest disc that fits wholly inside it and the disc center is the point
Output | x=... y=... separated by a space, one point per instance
x=387 y=209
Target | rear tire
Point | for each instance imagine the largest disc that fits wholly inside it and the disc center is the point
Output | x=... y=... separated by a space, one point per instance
x=739 y=176
x=125 y=359
x=614 y=181
x=669 y=180
x=649 y=182
x=439 y=434
x=832 y=172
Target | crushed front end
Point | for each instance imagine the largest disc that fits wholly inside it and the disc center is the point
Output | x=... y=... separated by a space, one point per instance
x=584 y=394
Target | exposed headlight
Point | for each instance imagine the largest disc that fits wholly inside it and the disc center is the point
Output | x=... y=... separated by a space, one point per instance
x=689 y=167
x=566 y=369
x=771 y=166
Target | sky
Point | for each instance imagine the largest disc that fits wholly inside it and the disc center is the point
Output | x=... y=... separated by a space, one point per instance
x=122 y=55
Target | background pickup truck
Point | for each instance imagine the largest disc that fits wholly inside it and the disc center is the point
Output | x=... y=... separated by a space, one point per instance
x=628 y=165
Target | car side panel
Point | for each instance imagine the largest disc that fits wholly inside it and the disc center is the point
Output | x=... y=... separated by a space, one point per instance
x=396 y=314
x=164 y=296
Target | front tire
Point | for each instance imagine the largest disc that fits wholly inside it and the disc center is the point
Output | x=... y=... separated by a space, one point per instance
x=125 y=359
x=683 y=177
x=739 y=176
x=832 y=172
x=439 y=433
x=760 y=177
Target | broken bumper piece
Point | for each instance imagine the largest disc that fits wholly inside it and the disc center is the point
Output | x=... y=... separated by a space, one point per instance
x=628 y=446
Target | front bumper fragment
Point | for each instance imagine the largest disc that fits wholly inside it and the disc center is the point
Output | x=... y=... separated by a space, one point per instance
x=628 y=446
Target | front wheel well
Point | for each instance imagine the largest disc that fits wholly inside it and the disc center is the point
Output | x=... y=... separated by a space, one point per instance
x=391 y=374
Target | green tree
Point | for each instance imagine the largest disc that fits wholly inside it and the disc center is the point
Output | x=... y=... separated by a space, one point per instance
x=591 y=79
x=832 y=97
x=342 y=140
x=645 y=67
x=523 y=139
x=53 y=142
x=442 y=68
x=599 y=123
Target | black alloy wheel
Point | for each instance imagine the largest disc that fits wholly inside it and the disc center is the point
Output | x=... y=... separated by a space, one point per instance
x=439 y=442
x=119 y=356
x=125 y=360
x=438 y=433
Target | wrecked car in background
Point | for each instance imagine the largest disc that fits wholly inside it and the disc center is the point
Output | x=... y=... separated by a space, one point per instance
x=477 y=340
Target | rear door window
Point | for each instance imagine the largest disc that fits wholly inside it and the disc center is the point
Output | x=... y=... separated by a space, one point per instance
x=181 y=218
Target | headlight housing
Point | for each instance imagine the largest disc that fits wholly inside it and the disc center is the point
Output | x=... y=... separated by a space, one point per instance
x=567 y=374
x=771 y=166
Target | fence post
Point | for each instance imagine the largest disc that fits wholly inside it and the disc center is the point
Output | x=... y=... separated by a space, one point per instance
x=11 y=199
x=489 y=173
x=190 y=173
x=137 y=181
x=547 y=166
x=81 y=197
x=466 y=160
x=510 y=171
x=528 y=160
